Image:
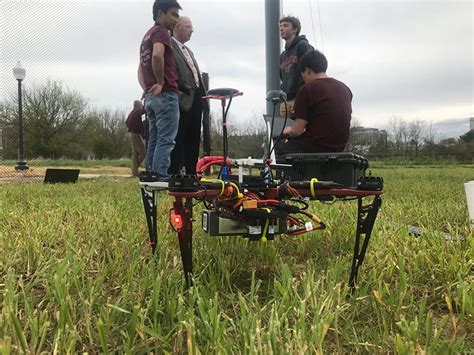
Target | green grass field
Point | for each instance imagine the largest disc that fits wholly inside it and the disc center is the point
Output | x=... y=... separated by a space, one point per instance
x=76 y=275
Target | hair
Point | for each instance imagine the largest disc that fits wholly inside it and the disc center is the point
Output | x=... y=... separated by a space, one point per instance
x=137 y=103
x=315 y=61
x=164 y=6
x=295 y=22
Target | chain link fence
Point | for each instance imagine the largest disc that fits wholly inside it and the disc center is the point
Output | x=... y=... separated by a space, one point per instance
x=59 y=130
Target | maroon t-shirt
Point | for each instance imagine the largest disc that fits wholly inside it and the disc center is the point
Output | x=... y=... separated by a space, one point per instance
x=154 y=35
x=326 y=104
x=134 y=121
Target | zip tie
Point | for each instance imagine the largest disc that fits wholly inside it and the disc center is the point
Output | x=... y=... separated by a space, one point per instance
x=311 y=187
x=216 y=180
x=239 y=194
x=265 y=229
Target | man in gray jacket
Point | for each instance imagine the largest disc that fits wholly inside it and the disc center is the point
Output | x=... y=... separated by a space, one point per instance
x=191 y=90
x=296 y=46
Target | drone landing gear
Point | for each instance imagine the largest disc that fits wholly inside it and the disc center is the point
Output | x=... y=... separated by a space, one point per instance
x=149 y=203
x=185 y=235
x=183 y=207
x=366 y=216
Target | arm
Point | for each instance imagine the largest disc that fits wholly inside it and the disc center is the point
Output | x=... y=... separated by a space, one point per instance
x=296 y=129
x=127 y=121
x=301 y=113
x=158 y=65
x=141 y=80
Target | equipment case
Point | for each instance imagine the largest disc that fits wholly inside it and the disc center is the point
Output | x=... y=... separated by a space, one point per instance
x=343 y=168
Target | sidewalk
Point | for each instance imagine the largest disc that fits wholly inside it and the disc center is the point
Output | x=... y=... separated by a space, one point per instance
x=38 y=178
x=9 y=175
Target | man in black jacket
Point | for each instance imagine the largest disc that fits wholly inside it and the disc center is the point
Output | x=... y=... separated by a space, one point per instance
x=296 y=46
x=190 y=91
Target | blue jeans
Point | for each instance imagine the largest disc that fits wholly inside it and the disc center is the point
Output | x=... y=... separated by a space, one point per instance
x=163 y=116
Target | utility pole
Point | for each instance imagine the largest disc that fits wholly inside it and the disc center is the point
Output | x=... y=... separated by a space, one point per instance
x=272 y=48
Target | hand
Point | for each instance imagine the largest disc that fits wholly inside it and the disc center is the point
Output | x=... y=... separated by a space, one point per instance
x=287 y=130
x=156 y=89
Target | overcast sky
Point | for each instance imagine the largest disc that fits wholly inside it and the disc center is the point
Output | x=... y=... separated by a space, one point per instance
x=409 y=59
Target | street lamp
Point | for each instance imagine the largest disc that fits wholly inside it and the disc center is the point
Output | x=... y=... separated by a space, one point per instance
x=19 y=72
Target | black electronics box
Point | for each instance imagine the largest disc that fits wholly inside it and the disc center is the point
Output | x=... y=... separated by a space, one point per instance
x=54 y=176
x=183 y=183
x=343 y=168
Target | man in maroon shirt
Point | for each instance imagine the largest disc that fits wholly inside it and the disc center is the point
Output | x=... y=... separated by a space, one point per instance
x=158 y=79
x=322 y=111
x=135 y=133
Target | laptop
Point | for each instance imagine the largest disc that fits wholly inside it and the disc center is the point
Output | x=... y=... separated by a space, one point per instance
x=278 y=124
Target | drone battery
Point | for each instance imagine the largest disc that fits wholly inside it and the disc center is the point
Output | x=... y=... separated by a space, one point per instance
x=343 y=168
x=215 y=225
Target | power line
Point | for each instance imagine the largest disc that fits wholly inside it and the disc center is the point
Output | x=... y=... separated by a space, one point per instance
x=320 y=28
x=312 y=21
x=320 y=24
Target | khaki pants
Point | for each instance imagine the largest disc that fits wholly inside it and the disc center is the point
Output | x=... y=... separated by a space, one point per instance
x=290 y=105
x=138 y=150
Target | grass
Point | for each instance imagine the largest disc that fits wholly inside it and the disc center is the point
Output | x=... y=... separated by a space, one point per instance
x=76 y=276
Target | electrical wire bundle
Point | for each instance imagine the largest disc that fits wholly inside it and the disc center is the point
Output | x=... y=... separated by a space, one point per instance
x=239 y=204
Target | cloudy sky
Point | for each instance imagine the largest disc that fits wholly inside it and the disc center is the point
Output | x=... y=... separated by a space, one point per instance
x=409 y=59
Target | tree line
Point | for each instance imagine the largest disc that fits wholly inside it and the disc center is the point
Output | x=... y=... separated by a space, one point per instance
x=412 y=140
x=59 y=124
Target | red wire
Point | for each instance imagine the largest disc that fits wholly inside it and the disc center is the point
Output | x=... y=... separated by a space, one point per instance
x=275 y=202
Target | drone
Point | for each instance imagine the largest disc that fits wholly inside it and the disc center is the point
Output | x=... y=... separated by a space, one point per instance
x=263 y=205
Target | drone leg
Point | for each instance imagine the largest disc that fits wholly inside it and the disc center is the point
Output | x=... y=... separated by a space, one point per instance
x=149 y=203
x=365 y=222
x=185 y=236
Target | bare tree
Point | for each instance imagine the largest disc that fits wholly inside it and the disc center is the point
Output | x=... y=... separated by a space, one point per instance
x=108 y=134
x=416 y=131
x=53 y=119
x=244 y=138
x=431 y=137
x=397 y=131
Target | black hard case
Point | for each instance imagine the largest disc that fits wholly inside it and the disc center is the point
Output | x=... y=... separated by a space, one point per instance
x=343 y=168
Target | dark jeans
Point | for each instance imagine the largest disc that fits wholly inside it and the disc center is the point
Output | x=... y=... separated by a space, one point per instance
x=186 y=150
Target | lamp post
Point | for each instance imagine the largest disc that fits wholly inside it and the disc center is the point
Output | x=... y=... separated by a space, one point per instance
x=19 y=72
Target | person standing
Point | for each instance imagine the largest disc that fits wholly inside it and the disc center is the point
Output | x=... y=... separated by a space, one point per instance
x=135 y=133
x=323 y=109
x=191 y=90
x=296 y=46
x=157 y=77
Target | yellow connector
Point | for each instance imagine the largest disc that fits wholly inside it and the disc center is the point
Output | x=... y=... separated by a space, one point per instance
x=250 y=204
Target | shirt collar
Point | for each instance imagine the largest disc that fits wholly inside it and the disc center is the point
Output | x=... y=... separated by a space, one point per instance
x=181 y=45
